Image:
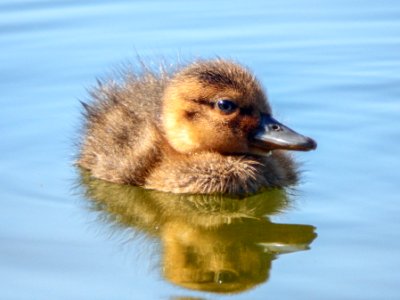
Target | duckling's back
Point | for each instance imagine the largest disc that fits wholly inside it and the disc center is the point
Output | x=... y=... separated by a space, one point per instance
x=122 y=137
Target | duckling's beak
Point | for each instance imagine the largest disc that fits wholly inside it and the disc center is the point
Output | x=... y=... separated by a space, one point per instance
x=274 y=135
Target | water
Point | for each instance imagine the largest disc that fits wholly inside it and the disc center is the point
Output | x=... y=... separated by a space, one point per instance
x=331 y=70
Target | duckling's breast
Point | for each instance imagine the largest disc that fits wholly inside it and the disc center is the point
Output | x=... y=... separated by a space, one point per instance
x=209 y=173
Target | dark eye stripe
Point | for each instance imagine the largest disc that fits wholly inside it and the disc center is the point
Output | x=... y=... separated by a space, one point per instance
x=246 y=110
x=203 y=102
x=224 y=105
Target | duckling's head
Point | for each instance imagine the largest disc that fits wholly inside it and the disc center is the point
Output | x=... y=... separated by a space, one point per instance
x=220 y=106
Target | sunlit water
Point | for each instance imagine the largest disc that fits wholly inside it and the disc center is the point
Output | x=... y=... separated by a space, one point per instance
x=332 y=71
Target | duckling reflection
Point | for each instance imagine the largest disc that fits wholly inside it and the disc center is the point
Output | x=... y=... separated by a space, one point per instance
x=209 y=242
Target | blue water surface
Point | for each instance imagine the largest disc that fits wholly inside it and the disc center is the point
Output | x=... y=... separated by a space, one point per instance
x=332 y=71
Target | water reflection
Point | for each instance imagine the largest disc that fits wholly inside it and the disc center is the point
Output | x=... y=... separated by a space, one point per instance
x=209 y=243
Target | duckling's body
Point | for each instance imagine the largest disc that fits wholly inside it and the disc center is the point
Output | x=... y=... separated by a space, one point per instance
x=195 y=130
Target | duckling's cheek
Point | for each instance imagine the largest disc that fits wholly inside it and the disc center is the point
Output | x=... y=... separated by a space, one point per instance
x=245 y=124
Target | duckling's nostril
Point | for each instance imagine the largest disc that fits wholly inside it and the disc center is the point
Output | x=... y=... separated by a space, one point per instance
x=275 y=127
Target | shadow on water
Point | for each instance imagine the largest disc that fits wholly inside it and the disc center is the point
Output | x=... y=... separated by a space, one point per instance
x=209 y=242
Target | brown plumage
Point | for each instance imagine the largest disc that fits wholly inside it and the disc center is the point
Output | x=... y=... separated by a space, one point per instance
x=202 y=128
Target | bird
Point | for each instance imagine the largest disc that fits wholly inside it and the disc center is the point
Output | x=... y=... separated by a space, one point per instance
x=203 y=127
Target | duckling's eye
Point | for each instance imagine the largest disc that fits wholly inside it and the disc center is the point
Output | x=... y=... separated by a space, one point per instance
x=226 y=106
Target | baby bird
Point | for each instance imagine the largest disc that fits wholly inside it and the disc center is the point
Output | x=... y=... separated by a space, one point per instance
x=203 y=128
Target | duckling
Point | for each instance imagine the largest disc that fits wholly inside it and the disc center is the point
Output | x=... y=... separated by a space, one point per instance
x=203 y=128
